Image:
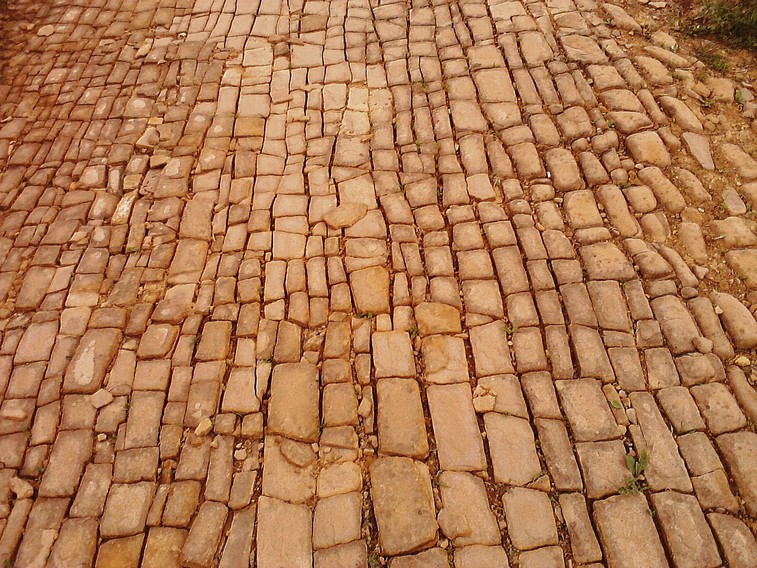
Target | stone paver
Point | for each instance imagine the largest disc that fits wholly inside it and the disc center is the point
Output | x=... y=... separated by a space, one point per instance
x=465 y=516
x=628 y=532
x=404 y=505
x=530 y=519
x=284 y=534
x=362 y=283
x=685 y=530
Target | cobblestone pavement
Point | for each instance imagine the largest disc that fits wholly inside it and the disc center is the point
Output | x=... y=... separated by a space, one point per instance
x=362 y=283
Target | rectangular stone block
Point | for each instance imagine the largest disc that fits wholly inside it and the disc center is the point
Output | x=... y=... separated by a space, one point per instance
x=403 y=503
x=293 y=408
x=458 y=437
x=284 y=534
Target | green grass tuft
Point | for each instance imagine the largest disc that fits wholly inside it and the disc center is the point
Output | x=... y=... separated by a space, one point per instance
x=732 y=21
x=712 y=58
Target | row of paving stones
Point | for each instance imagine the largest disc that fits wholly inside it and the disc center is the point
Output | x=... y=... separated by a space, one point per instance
x=205 y=359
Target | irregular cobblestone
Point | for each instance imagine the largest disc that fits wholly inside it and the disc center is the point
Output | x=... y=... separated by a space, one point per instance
x=367 y=283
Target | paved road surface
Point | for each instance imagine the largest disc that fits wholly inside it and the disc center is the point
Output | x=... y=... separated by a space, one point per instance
x=347 y=284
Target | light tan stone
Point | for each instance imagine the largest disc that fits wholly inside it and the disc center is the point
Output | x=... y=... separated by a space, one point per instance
x=370 y=290
x=284 y=534
x=628 y=533
x=293 y=408
x=434 y=318
x=403 y=503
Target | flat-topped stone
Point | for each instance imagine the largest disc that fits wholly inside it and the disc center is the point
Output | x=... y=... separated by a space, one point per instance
x=403 y=503
x=294 y=405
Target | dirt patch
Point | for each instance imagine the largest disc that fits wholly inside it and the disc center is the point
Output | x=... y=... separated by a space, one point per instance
x=716 y=40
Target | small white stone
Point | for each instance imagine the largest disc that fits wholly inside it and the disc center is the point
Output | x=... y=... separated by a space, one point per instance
x=143 y=50
x=149 y=139
x=13 y=413
x=345 y=215
x=298 y=453
x=700 y=272
x=365 y=408
x=484 y=403
x=742 y=361
x=204 y=427
x=703 y=345
x=21 y=489
x=158 y=161
x=101 y=398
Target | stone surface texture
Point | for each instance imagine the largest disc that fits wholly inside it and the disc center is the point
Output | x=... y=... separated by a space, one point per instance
x=368 y=283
